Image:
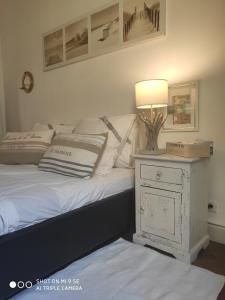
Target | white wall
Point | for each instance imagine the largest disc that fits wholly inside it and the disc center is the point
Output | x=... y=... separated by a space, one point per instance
x=193 y=49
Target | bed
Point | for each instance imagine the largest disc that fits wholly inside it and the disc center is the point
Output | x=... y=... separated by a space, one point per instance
x=49 y=220
x=125 y=271
x=29 y=196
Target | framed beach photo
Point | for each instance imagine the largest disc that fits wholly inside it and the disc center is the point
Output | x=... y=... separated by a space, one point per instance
x=182 y=112
x=143 y=19
x=53 y=48
x=105 y=29
x=76 y=39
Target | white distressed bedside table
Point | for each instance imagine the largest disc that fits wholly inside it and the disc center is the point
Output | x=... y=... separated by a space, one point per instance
x=172 y=204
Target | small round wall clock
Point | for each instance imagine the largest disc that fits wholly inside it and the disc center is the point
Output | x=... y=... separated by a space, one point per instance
x=27 y=82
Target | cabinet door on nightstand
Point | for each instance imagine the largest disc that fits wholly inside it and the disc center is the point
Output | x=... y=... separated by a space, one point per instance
x=161 y=213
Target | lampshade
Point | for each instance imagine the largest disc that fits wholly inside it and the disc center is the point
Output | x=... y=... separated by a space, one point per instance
x=151 y=93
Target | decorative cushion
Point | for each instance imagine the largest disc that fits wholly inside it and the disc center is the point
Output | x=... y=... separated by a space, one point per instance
x=74 y=154
x=24 y=147
x=122 y=133
x=58 y=128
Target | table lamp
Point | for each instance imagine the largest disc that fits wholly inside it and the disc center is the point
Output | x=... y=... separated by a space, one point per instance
x=151 y=96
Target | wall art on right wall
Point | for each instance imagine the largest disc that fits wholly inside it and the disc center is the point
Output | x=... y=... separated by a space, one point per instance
x=183 y=107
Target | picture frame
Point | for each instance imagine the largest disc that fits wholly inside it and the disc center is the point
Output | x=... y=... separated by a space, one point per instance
x=76 y=39
x=156 y=16
x=182 y=111
x=104 y=30
x=53 y=51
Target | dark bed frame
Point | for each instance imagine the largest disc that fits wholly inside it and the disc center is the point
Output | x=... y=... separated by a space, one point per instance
x=40 y=250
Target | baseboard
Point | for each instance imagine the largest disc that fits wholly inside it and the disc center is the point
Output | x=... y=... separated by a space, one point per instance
x=217 y=233
x=202 y=244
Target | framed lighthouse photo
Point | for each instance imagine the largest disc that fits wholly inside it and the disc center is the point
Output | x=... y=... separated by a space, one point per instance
x=105 y=28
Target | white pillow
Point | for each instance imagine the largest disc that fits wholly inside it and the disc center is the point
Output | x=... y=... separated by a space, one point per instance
x=125 y=158
x=58 y=128
x=75 y=155
x=123 y=141
x=107 y=161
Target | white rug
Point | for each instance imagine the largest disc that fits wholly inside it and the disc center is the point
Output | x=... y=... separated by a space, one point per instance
x=125 y=271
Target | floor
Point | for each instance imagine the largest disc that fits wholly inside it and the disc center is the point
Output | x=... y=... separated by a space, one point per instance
x=213 y=259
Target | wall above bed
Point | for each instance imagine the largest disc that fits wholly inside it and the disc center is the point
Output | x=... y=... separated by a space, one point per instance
x=193 y=49
x=105 y=84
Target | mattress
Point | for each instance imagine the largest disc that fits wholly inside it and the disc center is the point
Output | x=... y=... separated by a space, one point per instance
x=125 y=271
x=29 y=196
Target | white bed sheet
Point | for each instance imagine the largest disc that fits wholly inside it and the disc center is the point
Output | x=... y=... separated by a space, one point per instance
x=125 y=271
x=29 y=196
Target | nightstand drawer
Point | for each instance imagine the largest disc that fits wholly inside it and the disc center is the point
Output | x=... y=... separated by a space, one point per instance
x=161 y=174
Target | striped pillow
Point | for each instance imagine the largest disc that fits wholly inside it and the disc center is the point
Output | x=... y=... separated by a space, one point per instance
x=24 y=147
x=74 y=154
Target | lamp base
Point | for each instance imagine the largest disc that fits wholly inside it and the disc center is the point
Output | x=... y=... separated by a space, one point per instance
x=149 y=152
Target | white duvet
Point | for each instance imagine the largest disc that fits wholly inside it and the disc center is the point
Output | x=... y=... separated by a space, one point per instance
x=125 y=271
x=29 y=196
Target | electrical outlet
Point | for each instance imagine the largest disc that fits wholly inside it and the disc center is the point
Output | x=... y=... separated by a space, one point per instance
x=212 y=207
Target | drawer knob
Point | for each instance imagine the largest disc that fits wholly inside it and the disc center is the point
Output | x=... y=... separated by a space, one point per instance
x=142 y=210
x=158 y=175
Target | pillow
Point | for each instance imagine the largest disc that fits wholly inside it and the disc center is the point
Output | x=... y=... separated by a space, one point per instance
x=106 y=162
x=74 y=154
x=125 y=154
x=42 y=127
x=58 y=128
x=121 y=135
x=24 y=147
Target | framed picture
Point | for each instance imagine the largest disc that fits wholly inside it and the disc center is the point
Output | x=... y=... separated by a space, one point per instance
x=114 y=26
x=182 y=112
x=53 y=48
x=142 y=19
x=105 y=29
x=76 y=39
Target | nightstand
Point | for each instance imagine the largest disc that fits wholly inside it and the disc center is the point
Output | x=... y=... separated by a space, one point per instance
x=171 y=204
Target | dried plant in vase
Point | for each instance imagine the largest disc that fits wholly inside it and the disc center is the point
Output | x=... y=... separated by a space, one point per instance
x=153 y=123
x=151 y=98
